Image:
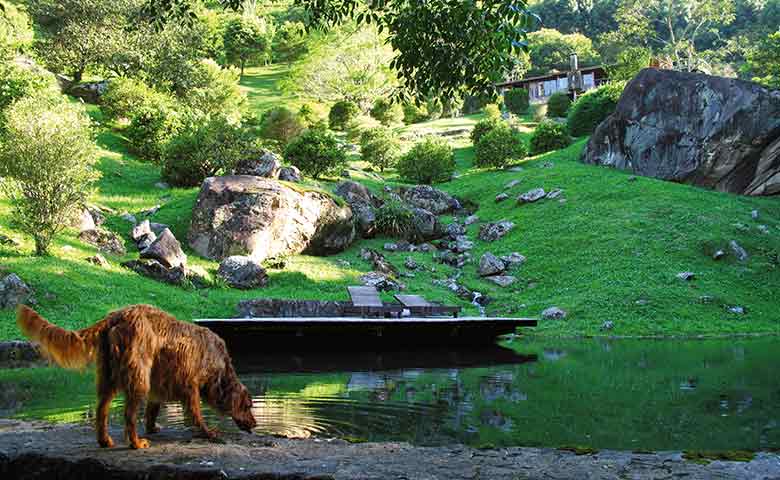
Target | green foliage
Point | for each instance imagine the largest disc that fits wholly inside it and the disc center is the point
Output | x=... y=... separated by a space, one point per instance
x=342 y=113
x=763 y=62
x=558 y=104
x=492 y=111
x=126 y=97
x=394 y=219
x=379 y=147
x=549 y=136
x=498 y=147
x=484 y=126
x=214 y=91
x=289 y=42
x=247 y=39
x=430 y=160
x=152 y=127
x=281 y=125
x=550 y=50
x=516 y=100
x=16 y=33
x=413 y=113
x=387 y=112
x=17 y=82
x=46 y=157
x=630 y=61
x=316 y=152
x=307 y=115
x=474 y=103
x=207 y=149
x=593 y=107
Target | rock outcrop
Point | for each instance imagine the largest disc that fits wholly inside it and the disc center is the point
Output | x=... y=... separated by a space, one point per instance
x=242 y=272
x=266 y=165
x=262 y=218
x=431 y=199
x=713 y=132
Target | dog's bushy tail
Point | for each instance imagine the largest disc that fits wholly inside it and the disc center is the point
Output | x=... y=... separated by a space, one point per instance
x=68 y=349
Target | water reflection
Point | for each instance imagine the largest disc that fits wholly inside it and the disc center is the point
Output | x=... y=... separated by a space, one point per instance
x=630 y=394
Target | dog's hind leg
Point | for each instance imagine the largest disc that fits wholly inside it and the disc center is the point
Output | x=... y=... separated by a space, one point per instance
x=103 y=407
x=150 y=415
x=136 y=389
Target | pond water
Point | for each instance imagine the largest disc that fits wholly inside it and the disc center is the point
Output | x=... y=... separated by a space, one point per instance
x=620 y=394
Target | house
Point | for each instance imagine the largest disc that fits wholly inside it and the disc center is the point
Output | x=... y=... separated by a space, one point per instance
x=541 y=87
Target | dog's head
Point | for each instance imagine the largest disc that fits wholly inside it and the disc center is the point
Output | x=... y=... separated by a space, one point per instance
x=241 y=408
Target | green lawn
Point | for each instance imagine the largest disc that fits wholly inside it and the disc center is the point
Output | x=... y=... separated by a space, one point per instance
x=609 y=252
x=263 y=91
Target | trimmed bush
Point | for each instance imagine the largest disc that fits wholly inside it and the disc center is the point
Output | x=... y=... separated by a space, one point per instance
x=341 y=113
x=316 y=152
x=126 y=97
x=549 y=136
x=46 y=158
x=593 y=107
x=517 y=100
x=281 y=125
x=429 y=161
x=394 y=219
x=151 y=128
x=414 y=114
x=493 y=112
x=379 y=147
x=201 y=151
x=482 y=127
x=386 y=112
x=215 y=91
x=498 y=147
x=558 y=105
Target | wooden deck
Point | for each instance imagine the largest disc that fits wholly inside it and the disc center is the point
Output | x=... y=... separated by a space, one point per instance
x=354 y=332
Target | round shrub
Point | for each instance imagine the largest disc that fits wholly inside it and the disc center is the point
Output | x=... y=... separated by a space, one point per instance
x=316 y=152
x=549 y=136
x=151 y=128
x=517 y=100
x=492 y=111
x=126 y=97
x=379 y=147
x=17 y=82
x=593 y=107
x=341 y=113
x=215 y=91
x=46 y=158
x=394 y=219
x=429 y=161
x=482 y=127
x=414 y=114
x=281 y=125
x=498 y=147
x=558 y=105
x=207 y=149
x=387 y=112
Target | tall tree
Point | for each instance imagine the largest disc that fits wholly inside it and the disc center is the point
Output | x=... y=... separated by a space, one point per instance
x=247 y=39
x=550 y=50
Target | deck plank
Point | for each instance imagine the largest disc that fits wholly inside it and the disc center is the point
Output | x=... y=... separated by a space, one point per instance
x=364 y=296
x=413 y=301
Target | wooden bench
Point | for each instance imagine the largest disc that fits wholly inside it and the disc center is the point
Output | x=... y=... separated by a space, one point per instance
x=418 y=305
x=366 y=302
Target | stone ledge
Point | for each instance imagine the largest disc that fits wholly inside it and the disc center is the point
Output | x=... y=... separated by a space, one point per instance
x=40 y=450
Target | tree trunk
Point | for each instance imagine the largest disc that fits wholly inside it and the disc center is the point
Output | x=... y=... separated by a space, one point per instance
x=77 y=76
x=41 y=246
x=242 y=69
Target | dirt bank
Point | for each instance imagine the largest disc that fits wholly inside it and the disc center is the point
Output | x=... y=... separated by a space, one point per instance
x=39 y=450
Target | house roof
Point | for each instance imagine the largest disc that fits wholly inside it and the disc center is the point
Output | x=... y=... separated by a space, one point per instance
x=548 y=76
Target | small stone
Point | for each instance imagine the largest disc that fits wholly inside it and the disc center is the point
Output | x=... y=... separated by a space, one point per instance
x=345 y=174
x=489 y=264
x=554 y=193
x=632 y=178
x=470 y=220
x=98 y=260
x=390 y=247
x=155 y=270
x=739 y=252
x=267 y=165
x=146 y=241
x=242 y=272
x=86 y=222
x=128 y=217
x=763 y=229
x=718 y=254
x=462 y=244
x=158 y=228
x=290 y=174
x=741 y=227
x=426 y=247
x=501 y=197
x=162 y=186
x=515 y=169
x=491 y=232
x=151 y=211
x=502 y=280
x=166 y=249
x=686 y=276
x=548 y=165
x=511 y=184
x=554 y=313
x=343 y=263
x=706 y=299
x=105 y=240
x=531 y=196
x=141 y=230
x=512 y=260
x=737 y=310
x=642 y=302
x=380 y=281
x=754 y=214
x=608 y=325
x=411 y=264
x=454 y=230
x=13 y=291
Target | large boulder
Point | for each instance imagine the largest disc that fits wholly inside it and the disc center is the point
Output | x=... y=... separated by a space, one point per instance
x=266 y=165
x=90 y=92
x=362 y=202
x=105 y=240
x=431 y=199
x=714 y=132
x=166 y=249
x=262 y=218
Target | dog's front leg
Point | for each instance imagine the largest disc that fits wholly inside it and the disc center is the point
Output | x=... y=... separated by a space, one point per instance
x=193 y=405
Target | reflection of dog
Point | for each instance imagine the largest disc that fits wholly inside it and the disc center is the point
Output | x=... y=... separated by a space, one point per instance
x=144 y=352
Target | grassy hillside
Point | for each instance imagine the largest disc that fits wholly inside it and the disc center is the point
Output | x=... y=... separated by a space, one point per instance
x=609 y=252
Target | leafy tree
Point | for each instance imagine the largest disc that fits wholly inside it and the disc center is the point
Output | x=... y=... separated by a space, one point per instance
x=289 y=42
x=516 y=100
x=387 y=112
x=15 y=31
x=316 y=152
x=558 y=104
x=763 y=62
x=247 y=39
x=46 y=158
x=342 y=113
x=281 y=125
x=588 y=17
x=551 y=50
x=215 y=91
x=672 y=27
x=379 y=147
x=629 y=62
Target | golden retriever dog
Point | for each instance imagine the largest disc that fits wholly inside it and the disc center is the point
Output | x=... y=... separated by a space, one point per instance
x=147 y=354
